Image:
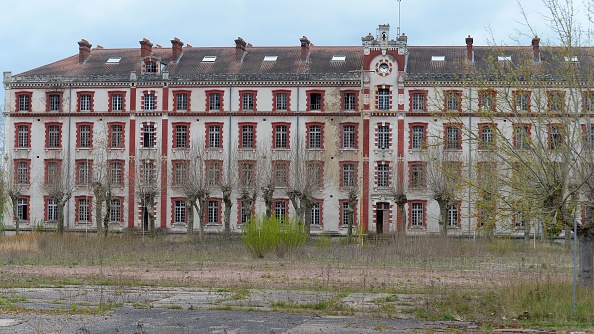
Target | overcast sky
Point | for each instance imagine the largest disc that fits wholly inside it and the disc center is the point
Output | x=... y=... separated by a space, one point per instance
x=38 y=32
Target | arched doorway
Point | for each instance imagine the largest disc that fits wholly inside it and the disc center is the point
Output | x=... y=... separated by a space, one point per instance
x=382 y=218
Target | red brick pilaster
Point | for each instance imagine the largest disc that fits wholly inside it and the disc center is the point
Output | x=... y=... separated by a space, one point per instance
x=133 y=99
x=164 y=130
x=400 y=159
x=365 y=199
x=165 y=98
x=131 y=168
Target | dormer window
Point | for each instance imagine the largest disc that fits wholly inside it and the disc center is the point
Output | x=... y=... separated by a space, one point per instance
x=209 y=59
x=150 y=66
x=338 y=58
x=437 y=58
x=270 y=58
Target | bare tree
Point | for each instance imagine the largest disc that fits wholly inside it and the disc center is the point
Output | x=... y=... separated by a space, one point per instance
x=59 y=187
x=228 y=180
x=148 y=185
x=16 y=181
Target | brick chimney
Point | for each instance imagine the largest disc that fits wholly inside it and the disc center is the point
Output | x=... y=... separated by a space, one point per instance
x=536 y=49
x=469 y=55
x=146 y=47
x=84 y=50
x=304 y=48
x=239 y=49
x=176 y=48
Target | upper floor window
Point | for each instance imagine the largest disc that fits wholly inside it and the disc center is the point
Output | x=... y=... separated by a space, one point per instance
x=180 y=172
x=280 y=100
x=555 y=136
x=522 y=101
x=214 y=135
x=383 y=99
x=247 y=101
x=314 y=173
x=181 y=101
x=247 y=173
x=383 y=137
x=315 y=136
x=418 y=100
x=349 y=136
x=181 y=136
x=83 y=171
x=280 y=134
x=556 y=101
x=116 y=101
x=315 y=101
x=588 y=101
x=54 y=102
x=214 y=172
x=487 y=136
x=150 y=101
x=53 y=136
x=85 y=102
x=383 y=174
x=247 y=136
x=452 y=137
x=214 y=100
x=349 y=101
x=22 y=171
x=23 y=135
x=85 y=135
x=418 y=174
x=150 y=66
x=116 y=135
x=418 y=136
x=116 y=172
x=487 y=101
x=24 y=101
x=148 y=136
x=453 y=101
x=348 y=174
x=522 y=136
x=280 y=172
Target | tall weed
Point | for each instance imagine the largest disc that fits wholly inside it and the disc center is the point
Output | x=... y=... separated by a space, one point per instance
x=262 y=235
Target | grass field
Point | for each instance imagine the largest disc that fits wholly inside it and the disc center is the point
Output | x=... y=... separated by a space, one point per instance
x=498 y=282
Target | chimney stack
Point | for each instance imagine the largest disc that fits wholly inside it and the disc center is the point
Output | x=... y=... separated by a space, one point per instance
x=469 y=55
x=304 y=48
x=536 y=48
x=84 y=50
x=146 y=47
x=176 y=49
x=239 y=49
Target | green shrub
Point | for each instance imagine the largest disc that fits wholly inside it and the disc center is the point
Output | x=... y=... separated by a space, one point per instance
x=262 y=235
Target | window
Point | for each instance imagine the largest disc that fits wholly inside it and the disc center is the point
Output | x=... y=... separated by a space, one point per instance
x=148 y=172
x=487 y=136
x=83 y=172
x=179 y=211
x=115 y=210
x=83 y=210
x=316 y=214
x=247 y=101
x=588 y=135
x=349 y=101
x=280 y=173
x=349 y=136
x=149 y=101
x=54 y=102
x=315 y=101
x=347 y=213
x=556 y=101
x=487 y=101
x=148 y=136
x=588 y=101
x=150 y=66
x=52 y=171
x=315 y=173
x=522 y=136
x=24 y=101
x=84 y=102
x=348 y=173
x=383 y=137
x=214 y=212
x=214 y=172
x=23 y=208
x=247 y=135
x=214 y=135
x=280 y=134
x=22 y=171
x=418 y=100
x=280 y=100
x=418 y=136
x=53 y=136
x=85 y=136
x=315 y=135
x=383 y=174
x=418 y=178
x=116 y=172
x=23 y=135
x=181 y=136
x=182 y=101
x=453 y=137
x=51 y=209
x=214 y=100
x=280 y=210
x=116 y=101
x=116 y=135
x=383 y=99
x=555 y=137
x=417 y=214
x=180 y=172
x=453 y=217
x=453 y=101
x=244 y=211
x=247 y=174
x=520 y=220
x=522 y=101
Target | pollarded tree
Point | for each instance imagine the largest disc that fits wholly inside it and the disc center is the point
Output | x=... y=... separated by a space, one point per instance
x=148 y=186
x=59 y=187
x=228 y=180
x=16 y=180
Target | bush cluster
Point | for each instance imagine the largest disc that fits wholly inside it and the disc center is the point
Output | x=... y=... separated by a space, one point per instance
x=262 y=235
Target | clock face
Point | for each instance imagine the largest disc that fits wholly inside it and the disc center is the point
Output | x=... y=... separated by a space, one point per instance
x=384 y=68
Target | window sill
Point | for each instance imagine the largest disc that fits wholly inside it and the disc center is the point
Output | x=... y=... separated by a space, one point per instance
x=28 y=149
x=117 y=148
x=214 y=225
x=419 y=228
x=84 y=149
x=83 y=223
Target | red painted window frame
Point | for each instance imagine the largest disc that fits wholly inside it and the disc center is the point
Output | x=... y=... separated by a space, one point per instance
x=410 y=204
x=175 y=94
x=425 y=94
x=410 y=136
x=341 y=223
x=240 y=131
x=110 y=95
x=307 y=127
x=214 y=91
x=308 y=94
x=16 y=135
x=110 y=132
x=47 y=101
x=17 y=105
x=274 y=125
x=78 y=101
x=342 y=95
x=423 y=184
x=274 y=95
x=47 y=125
x=77 y=208
x=244 y=92
x=78 y=126
x=174 y=134
x=356 y=125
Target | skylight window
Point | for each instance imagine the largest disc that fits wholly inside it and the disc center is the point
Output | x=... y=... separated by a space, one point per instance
x=573 y=59
x=437 y=58
x=209 y=59
x=338 y=58
x=503 y=58
x=270 y=58
x=113 y=60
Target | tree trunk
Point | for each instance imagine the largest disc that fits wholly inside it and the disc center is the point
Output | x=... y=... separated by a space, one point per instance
x=191 y=219
x=228 y=205
x=60 y=213
x=527 y=232
x=443 y=211
x=201 y=215
x=267 y=195
x=586 y=259
x=98 y=214
x=567 y=233
x=351 y=215
x=15 y=213
x=106 y=216
x=307 y=219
